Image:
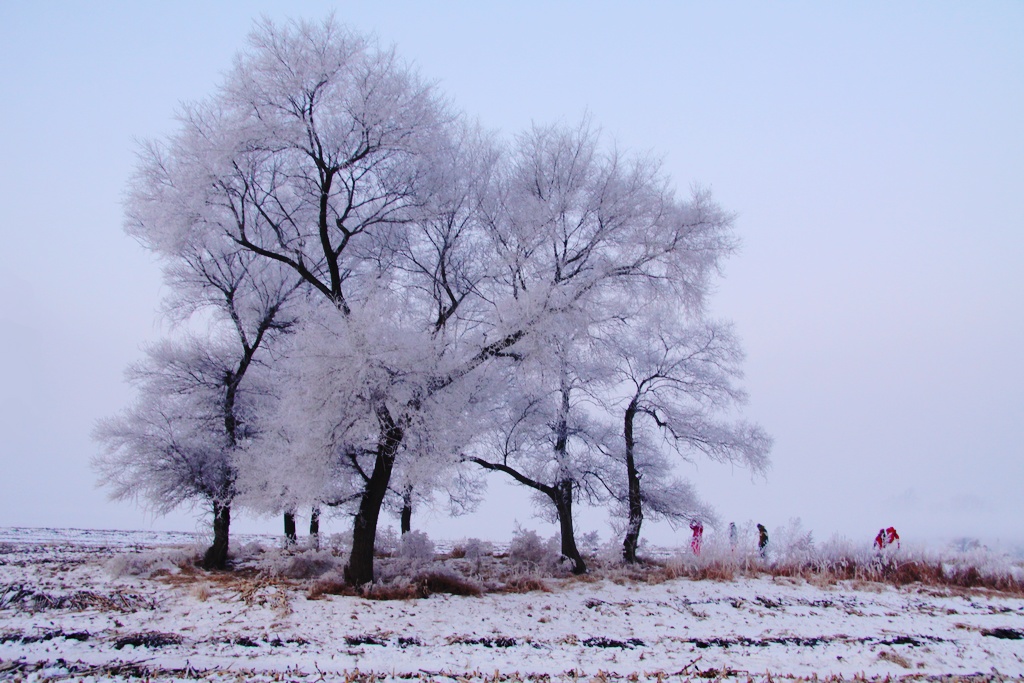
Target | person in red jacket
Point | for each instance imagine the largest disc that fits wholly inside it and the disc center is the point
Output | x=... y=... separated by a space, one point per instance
x=892 y=537
x=880 y=539
x=698 y=535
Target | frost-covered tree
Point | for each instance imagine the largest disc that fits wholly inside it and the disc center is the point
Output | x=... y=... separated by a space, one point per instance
x=199 y=399
x=310 y=157
x=546 y=441
x=587 y=235
x=173 y=447
x=680 y=384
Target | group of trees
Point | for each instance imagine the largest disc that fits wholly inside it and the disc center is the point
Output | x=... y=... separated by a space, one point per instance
x=395 y=302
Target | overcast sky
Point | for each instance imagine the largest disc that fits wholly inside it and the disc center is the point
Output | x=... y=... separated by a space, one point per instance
x=874 y=154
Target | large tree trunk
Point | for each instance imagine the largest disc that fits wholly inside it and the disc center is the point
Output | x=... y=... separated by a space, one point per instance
x=635 y=504
x=561 y=493
x=216 y=556
x=290 y=537
x=314 y=527
x=359 y=569
x=407 y=510
x=563 y=504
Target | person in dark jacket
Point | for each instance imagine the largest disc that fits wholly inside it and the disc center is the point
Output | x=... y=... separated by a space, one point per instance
x=762 y=540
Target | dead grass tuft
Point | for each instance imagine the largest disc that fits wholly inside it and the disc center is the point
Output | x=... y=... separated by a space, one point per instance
x=444 y=582
x=391 y=591
x=421 y=586
x=307 y=566
x=714 y=571
x=899 y=660
x=201 y=592
x=329 y=587
x=585 y=578
x=655 y=572
x=524 y=584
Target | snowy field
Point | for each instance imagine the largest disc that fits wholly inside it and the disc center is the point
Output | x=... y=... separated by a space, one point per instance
x=101 y=605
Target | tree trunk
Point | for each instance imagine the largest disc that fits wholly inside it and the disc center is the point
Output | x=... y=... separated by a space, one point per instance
x=359 y=569
x=314 y=527
x=635 y=504
x=563 y=504
x=561 y=493
x=289 y=528
x=407 y=510
x=216 y=556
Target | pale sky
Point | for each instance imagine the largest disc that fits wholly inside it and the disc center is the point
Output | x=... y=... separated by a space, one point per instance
x=874 y=154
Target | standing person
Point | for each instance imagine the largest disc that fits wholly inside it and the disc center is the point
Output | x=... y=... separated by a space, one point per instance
x=892 y=537
x=880 y=539
x=762 y=540
x=698 y=535
x=733 y=537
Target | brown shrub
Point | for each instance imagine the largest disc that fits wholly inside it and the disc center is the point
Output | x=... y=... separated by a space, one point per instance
x=715 y=571
x=970 y=577
x=789 y=571
x=524 y=584
x=329 y=587
x=1006 y=584
x=584 y=578
x=898 y=660
x=443 y=582
x=391 y=591
x=421 y=586
x=838 y=569
x=967 y=577
x=903 y=573
x=664 y=572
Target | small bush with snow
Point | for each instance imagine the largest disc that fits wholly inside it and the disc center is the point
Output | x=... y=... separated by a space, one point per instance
x=247 y=551
x=307 y=564
x=145 y=563
x=792 y=543
x=476 y=550
x=386 y=543
x=339 y=544
x=528 y=550
x=415 y=546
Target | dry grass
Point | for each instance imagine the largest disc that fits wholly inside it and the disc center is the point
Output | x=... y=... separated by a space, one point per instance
x=896 y=659
x=904 y=572
x=27 y=599
x=866 y=570
x=152 y=672
x=329 y=587
x=524 y=584
x=456 y=573
x=445 y=582
x=391 y=591
x=201 y=592
x=421 y=586
x=714 y=570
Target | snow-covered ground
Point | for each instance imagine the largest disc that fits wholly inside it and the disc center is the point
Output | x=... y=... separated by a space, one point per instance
x=70 y=606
